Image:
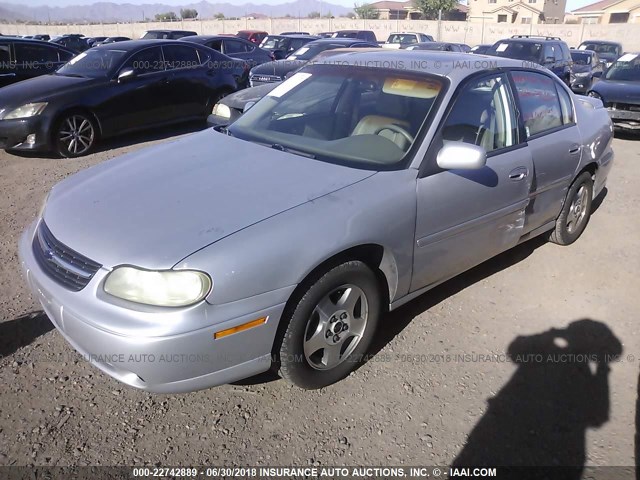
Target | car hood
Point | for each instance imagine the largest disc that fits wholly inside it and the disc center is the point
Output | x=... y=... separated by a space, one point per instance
x=40 y=88
x=154 y=207
x=277 y=67
x=239 y=99
x=616 y=91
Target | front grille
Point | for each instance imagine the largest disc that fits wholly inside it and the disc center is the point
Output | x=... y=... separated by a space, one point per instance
x=64 y=265
x=629 y=107
x=256 y=80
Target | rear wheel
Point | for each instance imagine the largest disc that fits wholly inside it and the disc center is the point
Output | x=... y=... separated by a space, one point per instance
x=75 y=135
x=331 y=327
x=576 y=211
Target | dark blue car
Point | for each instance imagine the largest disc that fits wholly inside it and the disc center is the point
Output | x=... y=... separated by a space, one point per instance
x=619 y=90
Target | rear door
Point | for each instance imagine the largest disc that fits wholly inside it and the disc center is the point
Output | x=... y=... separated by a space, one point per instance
x=546 y=111
x=465 y=217
x=186 y=91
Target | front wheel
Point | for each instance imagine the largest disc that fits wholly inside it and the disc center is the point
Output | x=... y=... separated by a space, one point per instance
x=75 y=135
x=331 y=327
x=576 y=211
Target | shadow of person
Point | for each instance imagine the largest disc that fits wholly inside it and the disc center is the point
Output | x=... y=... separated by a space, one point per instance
x=21 y=331
x=540 y=417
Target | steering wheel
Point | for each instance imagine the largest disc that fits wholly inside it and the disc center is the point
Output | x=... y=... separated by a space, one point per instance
x=396 y=129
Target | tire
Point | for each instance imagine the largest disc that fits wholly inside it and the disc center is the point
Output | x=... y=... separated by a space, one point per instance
x=74 y=134
x=325 y=340
x=576 y=211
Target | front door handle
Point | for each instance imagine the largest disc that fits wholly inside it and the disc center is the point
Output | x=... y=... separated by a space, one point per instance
x=574 y=149
x=518 y=174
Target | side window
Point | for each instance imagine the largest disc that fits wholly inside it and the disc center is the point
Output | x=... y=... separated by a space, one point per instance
x=565 y=106
x=5 y=53
x=216 y=45
x=35 y=53
x=179 y=56
x=483 y=115
x=232 y=46
x=64 y=56
x=538 y=101
x=148 y=60
x=558 y=53
x=549 y=54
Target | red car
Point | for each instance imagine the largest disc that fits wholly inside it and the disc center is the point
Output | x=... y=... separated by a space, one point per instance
x=254 y=36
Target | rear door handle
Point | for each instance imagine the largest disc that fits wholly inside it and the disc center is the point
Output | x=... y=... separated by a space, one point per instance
x=574 y=149
x=518 y=173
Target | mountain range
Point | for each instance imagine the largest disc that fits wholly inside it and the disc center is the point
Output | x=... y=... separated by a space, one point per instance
x=126 y=12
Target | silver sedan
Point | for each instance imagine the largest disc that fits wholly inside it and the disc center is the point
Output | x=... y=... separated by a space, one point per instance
x=279 y=241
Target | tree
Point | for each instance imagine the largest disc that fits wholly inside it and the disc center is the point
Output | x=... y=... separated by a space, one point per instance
x=314 y=15
x=219 y=16
x=328 y=15
x=350 y=15
x=166 y=17
x=431 y=8
x=365 y=10
x=188 y=13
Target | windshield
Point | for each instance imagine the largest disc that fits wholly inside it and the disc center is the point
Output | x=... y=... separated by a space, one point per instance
x=94 y=63
x=600 y=48
x=580 y=58
x=308 y=52
x=359 y=116
x=625 y=69
x=527 y=51
x=402 y=38
x=274 y=43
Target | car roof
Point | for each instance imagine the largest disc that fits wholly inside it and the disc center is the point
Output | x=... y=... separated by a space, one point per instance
x=530 y=40
x=170 y=31
x=340 y=41
x=37 y=42
x=601 y=42
x=131 y=45
x=453 y=65
x=306 y=37
x=197 y=38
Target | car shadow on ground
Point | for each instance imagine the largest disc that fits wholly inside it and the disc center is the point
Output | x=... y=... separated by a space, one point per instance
x=129 y=139
x=541 y=415
x=21 y=331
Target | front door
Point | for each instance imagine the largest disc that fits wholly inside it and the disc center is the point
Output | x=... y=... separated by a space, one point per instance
x=467 y=216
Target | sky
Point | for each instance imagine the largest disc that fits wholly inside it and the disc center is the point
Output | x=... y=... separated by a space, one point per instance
x=571 y=4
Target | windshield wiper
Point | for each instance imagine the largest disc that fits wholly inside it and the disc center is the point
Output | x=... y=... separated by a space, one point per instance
x=282 y=148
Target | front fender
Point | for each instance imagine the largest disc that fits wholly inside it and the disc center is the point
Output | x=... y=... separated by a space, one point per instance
x=281 y=251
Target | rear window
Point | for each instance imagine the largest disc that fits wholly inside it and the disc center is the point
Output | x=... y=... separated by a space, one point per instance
x=527 y=51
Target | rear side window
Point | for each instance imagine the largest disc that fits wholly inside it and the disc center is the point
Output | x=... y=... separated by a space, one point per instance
x=179 y=56
x=35 y=53
x=233 y=46
x=216 y=45
x=538 y=101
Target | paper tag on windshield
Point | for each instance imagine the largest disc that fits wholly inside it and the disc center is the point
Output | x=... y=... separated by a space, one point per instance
x=627 y=57
x=502 y=47
x=288 y=84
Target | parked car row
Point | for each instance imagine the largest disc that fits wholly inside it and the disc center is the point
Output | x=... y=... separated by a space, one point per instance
x=279 y=240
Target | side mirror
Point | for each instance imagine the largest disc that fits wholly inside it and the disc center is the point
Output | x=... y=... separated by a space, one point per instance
x=247 y=106
x=461 y=156
x=126 y=75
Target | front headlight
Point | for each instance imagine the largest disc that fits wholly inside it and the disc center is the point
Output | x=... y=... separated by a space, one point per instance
x=25 y=111
x=167 y=288
x=221 y=110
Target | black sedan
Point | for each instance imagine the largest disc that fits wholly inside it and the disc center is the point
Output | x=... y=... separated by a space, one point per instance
x=441 y=46
x=21 y=59
x=619 y=90
x=283 y=45
x=587 y=69
x=113 y=40
x=481 y=49
x=233 y=47
x=112 y=89
x=277 y=70
x=73 y=41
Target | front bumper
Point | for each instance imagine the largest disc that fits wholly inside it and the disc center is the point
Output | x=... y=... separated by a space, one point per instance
x=625 y=119
x=14 y=134
x=145 y=349
x=581 y=85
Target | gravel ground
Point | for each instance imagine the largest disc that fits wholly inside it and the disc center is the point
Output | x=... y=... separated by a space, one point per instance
x=416 y=402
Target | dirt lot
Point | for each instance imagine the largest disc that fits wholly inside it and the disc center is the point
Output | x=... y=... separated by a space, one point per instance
x=415 y=403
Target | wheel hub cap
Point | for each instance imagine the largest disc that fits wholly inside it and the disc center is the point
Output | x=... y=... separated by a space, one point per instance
x=335 y=327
